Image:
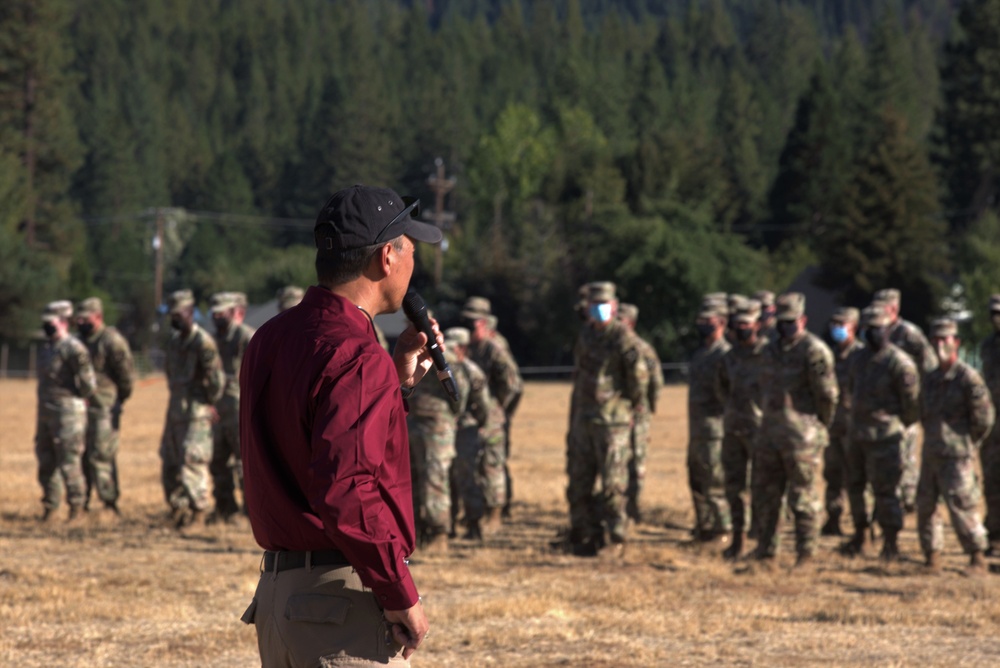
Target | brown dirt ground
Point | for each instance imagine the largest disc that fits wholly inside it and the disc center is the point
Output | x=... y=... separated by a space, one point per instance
x=133 y=593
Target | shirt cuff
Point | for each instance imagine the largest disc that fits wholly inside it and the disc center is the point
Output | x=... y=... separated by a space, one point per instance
x=397 y=595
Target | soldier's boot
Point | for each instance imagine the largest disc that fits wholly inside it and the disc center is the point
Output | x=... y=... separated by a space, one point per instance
x=75 y=513
x=46 y=515
x=832 y=526
x=856 y=546
x=112 y=508
x=472 y=530
x=612 y=551
x=436 y=544
x=890 y=549
x=492 y=522
x=196 y=520
x=932 y=561
x=178 y=516
x=977 y=565
x=803 y=561
x=735 y=548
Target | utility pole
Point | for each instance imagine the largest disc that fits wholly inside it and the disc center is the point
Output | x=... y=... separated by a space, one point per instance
x=441 y=186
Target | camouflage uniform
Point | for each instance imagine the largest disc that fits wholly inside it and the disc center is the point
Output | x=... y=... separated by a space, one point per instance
x=196 y=380
x=835 y=468
x=114 y=367
x=706 y=408
x=799 y=397
x=432 y=421
x=958 y=413
x=289 y=296
x=227 y=464
x=739 y=382
x=472 y=471
x=766 y=299
x=504 y=382
x=989 y=353
x=639 y=440
x=65 y=381
x=908 y=338
x=885 y=391
x=609 y=386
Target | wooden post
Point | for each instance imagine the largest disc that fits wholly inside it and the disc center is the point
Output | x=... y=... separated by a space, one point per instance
x=441 y=186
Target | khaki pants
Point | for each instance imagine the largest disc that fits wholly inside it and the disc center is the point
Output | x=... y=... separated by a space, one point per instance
x=320 y=616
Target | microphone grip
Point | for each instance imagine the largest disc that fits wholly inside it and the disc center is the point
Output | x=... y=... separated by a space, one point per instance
x=416 y=311
x=448 y=383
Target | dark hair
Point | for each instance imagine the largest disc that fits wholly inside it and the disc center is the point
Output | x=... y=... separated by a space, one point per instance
x=345 y=266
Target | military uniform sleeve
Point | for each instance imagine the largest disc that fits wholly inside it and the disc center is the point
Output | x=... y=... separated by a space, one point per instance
x=907 y=382
x=507 y=381
x=723 y=383
x=121 y=367
x=928 y=358
x=83 y=370
x=982 y=413
x=655 y=378
x=823 y=381
x=636 y=375
x=480 y=401
x=213 y=375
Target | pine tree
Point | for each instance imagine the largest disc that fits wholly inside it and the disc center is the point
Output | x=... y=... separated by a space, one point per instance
x=887 y=231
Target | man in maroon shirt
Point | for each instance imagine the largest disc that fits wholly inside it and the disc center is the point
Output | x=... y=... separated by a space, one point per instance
x=325 y=448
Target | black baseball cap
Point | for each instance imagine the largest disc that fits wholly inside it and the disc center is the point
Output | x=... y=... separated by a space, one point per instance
x=362 y=216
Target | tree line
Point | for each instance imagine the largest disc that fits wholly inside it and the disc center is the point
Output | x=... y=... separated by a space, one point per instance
x=672 y=147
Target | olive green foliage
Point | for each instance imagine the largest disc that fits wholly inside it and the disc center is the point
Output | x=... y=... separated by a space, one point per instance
x=674 y=147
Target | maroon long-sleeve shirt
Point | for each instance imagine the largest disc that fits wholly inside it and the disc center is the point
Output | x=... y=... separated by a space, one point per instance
x=325 y=449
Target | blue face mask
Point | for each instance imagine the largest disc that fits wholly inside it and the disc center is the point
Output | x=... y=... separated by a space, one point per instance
x=600 y=312
x=838 y=333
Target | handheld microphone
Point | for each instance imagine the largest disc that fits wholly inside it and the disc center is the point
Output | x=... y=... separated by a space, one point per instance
x=416 y=311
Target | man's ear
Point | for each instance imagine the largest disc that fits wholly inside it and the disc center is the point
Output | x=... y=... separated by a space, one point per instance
x=379 y=265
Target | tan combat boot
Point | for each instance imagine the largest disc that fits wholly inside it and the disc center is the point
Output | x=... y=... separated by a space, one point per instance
x=856 y=546
x=492 y=522
x=735 y=548
x=932 y=561
x=977 y=565
x=890 y=549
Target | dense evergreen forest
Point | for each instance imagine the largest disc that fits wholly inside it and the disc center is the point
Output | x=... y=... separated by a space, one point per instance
x=675 y=147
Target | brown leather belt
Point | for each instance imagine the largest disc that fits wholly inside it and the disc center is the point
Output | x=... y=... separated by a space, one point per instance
x=284 y=561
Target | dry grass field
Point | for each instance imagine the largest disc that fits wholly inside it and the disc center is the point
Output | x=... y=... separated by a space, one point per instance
x=133 y=593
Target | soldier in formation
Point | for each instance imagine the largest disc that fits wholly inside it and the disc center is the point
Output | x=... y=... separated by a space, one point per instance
x=289 y=296
x=798 y=399
x=470 y=470
x=231 y=339
x=739 y=383
x=958 y=414
x=706 y=408
x=629 y=315
x=66 y=380
x=843 y=329
x=432 y=422
x=609 y=390
x=885 y=387
x=196 y=381
x=504 y=382
x=114 y=369
x=989 y=353
x=908 y=338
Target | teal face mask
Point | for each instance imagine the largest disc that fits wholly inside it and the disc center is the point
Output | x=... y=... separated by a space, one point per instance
x=600 y=312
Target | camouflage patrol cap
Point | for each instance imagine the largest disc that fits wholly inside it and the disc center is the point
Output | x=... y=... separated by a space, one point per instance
x=180 y=300
x=476 y=308
x=57 y=310
x=712 y=308
x=601 y=291
x=994 y=303
x=749 y=311
x=875 y=316
x=90 y=306
x=845 y=314
x=736 y=303
x=791 y=306
x=222 y=301
x=943 y=327
x=457 y=336
x=716 y=296
x=765 y=297
x=239 y=299
x=289 y=296
x=628 y=312
x=887 y=296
